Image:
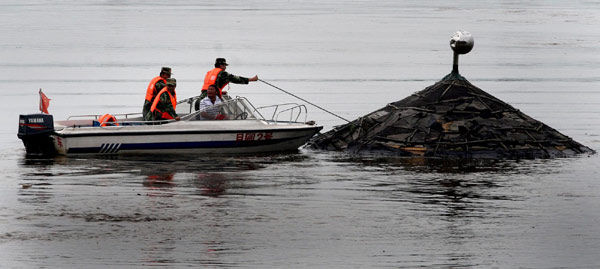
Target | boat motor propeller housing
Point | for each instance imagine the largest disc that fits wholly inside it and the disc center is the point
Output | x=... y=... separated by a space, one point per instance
x=35 y=131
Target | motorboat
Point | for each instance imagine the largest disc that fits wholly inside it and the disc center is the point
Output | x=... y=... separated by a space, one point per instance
x=241 y=128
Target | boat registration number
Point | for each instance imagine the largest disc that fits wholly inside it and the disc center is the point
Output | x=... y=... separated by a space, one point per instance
x=253 y=136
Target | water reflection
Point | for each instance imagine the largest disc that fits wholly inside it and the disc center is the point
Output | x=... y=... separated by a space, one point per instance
x=428 y=165
x=40 y=195
x=159 y=180
x=187 y=209
x=211 y=184
x=459 y=184
x=454 y=199
x=161 y=175
x=206 y=184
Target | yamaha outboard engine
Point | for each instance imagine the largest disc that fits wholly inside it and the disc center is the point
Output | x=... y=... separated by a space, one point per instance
x=35 y=131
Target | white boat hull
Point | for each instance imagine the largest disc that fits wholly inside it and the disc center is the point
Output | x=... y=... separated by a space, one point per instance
x=184 y=137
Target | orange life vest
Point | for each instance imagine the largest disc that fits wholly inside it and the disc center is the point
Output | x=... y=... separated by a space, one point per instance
x=173 y=98
x=106 y=118
x=211 y=78
x=151 y=89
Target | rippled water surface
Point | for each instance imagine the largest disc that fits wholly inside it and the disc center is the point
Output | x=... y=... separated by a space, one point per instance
x=307 y=209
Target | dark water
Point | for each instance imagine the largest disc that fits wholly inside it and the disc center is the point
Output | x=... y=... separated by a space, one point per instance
x=304 y=209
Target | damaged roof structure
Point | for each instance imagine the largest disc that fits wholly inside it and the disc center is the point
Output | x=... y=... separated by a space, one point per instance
x=451 y=118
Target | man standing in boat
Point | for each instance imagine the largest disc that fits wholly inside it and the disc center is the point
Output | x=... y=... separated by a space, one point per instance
x=156 y=85
x=165 y=102
x=220 y=78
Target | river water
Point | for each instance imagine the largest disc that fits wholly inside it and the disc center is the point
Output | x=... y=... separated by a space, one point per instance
x=306 y=209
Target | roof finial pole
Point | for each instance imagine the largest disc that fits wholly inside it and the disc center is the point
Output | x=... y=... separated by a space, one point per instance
x=461 y=43
x=455 y=64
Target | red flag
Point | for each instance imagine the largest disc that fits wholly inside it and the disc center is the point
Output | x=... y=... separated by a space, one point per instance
x=44 y=102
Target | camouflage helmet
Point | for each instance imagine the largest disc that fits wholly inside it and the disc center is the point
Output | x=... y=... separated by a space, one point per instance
x=172 y=82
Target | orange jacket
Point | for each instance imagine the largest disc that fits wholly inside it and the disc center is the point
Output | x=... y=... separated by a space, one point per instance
x=211 y=78
x=173 y=98
x=151 y=89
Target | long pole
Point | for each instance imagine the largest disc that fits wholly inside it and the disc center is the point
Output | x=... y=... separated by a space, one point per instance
x=455 y=63
x=301 y=99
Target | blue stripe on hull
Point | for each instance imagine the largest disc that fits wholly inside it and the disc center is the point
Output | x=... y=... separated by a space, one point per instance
x=180 y=145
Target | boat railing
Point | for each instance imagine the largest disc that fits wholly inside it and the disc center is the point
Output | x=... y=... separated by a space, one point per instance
x=186 y=106
x=123 y=119
x=295 y=111
x=291 y=110
x=275 y=108
x=96 y=116
x=238 y=108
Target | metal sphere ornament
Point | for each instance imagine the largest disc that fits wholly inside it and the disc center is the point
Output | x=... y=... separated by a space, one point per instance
x=462 y=42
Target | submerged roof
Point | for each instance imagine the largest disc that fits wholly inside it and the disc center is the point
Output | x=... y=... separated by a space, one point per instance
x=451 y=118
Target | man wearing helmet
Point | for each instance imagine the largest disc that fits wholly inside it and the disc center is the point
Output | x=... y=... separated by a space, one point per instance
x=220 y=78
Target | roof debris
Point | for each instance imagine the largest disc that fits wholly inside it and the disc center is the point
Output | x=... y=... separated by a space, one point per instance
x=452 y=118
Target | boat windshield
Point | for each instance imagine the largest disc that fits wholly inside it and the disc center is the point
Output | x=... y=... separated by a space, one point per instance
x=231 y=109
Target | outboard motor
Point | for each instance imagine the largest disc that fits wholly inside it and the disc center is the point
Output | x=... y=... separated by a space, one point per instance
x=35 y=131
